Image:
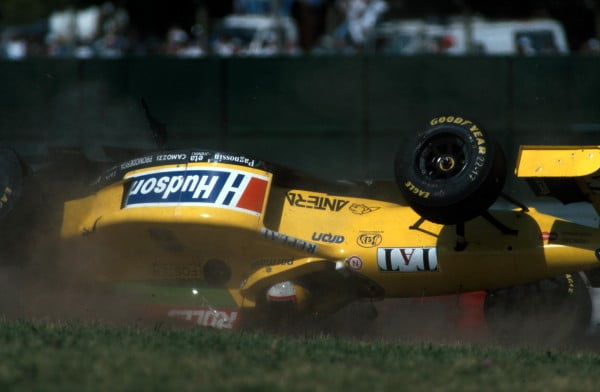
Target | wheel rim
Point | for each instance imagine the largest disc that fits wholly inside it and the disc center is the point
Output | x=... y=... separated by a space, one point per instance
x=442 y=157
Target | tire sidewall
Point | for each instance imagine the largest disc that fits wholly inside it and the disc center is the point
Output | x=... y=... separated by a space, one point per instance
x=417 y=186
x=452 y=172
x=556 y=310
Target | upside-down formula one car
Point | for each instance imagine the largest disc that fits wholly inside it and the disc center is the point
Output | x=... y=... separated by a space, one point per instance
x=284 y=245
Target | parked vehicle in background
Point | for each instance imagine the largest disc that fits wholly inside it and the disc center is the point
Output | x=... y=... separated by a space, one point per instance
x=255 y=35
x=459 y=36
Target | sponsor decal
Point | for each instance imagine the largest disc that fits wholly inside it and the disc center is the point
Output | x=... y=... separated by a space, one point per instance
x=176 y=157
x=361 y=209
x=207 y=317
x=412 y=188
x=473 y=128
x=573 y=241
x=450 y=120
x=209 y=156
x=477 y=134
x=407 y=259
x=574 y=237
x=109 y=176
x=171 y=157
x=136 y=162
x=479 y=162
x=286 y=240
x=176 y=270
x=355 y=263
x=214 y=187
x=270 y=263
x=576 y=233
x=328 y=237
x=315 y=202
x=369 y=239
x=567 y=237
x=230 y=158
x=548 y=236
x=200 y=156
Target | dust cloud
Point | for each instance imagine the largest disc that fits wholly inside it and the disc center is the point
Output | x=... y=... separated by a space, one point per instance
x=34 y=281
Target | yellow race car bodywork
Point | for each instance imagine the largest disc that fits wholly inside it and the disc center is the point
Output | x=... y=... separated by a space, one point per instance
x=239 y=227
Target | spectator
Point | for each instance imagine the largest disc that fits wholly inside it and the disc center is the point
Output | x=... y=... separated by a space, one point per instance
x=270 y=46
x=14 y=47
x=114 y=20
x=176 y=40
x=224 y=46
x=444 y=43
x=263 y=7
x=310 y=16
x=260 y=7
x=179 y=44
x=59 y=45
x=591 y=46
x=111 y=46
x=360 y=17
x=525 y=46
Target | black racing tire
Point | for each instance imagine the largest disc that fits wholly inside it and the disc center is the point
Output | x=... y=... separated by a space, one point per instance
x=452 y=172
x=551 y=311
x=11 y=178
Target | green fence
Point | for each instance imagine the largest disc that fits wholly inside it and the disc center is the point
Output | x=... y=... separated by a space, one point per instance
x=334 y=116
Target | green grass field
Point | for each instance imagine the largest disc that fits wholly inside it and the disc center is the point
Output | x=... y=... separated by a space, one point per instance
x=87 y=356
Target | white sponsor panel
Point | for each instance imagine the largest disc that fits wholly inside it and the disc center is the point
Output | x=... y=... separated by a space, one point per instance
x=219 y=319
x=197 y=186
x=407 y=259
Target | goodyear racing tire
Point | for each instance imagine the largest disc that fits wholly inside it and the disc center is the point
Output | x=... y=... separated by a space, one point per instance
x=551 y=311
x=11 y=177
x=452 y=172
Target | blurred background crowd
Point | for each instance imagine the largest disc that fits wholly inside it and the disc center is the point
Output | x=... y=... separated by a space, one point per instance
x=196 y=28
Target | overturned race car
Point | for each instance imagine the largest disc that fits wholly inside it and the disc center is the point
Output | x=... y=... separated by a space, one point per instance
x=227 y=240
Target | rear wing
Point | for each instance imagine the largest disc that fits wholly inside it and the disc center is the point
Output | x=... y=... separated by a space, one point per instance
x=568 y=173
x=558 y=161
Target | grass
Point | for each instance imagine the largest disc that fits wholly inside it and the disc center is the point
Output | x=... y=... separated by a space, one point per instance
x=82 y=356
